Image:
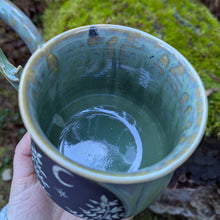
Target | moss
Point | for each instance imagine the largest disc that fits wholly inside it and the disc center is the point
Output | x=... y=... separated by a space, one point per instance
x=187 y=25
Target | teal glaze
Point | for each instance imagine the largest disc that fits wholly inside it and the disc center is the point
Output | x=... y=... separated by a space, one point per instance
x=124 y=62
x=118 y=61
x=21 y=24
x=18 y=21
x=136 y=197
x=10 y=72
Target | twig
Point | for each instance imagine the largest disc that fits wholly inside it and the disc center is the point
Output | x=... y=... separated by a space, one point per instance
x=217 y=79
x=210 y=91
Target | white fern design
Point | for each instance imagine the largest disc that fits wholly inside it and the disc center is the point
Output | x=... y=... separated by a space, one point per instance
x=36 y=157
x=104 y=209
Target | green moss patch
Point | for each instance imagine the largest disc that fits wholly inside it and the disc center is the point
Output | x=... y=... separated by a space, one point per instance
x=187 y=25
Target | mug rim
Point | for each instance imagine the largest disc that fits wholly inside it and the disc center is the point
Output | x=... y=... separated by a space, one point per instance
x=162 y=168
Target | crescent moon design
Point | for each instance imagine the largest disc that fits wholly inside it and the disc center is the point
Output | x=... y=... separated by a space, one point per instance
x=56 y=170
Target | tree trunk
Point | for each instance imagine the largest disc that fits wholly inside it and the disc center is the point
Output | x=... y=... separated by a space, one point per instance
x=194 y=191
x=214 y=6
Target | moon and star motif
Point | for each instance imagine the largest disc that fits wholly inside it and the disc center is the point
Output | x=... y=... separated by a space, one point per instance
x=56 y=170
x=77 y=195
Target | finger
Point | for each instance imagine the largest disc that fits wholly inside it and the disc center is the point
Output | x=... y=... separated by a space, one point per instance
x=23 y=165
x=23 y=148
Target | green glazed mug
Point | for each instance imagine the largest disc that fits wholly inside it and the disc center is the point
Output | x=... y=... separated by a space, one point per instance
x=112 y=112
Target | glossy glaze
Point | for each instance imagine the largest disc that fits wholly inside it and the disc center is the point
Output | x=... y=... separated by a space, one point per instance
x=117 y=61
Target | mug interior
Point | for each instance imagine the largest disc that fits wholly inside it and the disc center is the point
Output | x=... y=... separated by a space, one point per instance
x=92 y=66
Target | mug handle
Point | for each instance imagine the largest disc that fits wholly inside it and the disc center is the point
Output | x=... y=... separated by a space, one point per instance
x=18 y=21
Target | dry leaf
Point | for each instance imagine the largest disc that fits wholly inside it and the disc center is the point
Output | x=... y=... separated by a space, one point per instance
x=210 y=91
x=217 y=79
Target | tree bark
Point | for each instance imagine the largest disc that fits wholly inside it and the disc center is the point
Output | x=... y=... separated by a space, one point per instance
x=198 y=203
x=214 y=6
x=194 y=191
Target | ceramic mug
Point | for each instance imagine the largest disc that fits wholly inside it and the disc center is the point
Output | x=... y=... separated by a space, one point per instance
x=129 y=107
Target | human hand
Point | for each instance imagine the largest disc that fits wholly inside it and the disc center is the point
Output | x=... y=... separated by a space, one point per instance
x=27 y=198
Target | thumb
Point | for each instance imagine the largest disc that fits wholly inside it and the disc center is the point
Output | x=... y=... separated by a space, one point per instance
x=23 y=166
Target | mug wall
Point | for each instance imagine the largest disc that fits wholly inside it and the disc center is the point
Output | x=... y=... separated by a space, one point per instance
x=117 y=62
